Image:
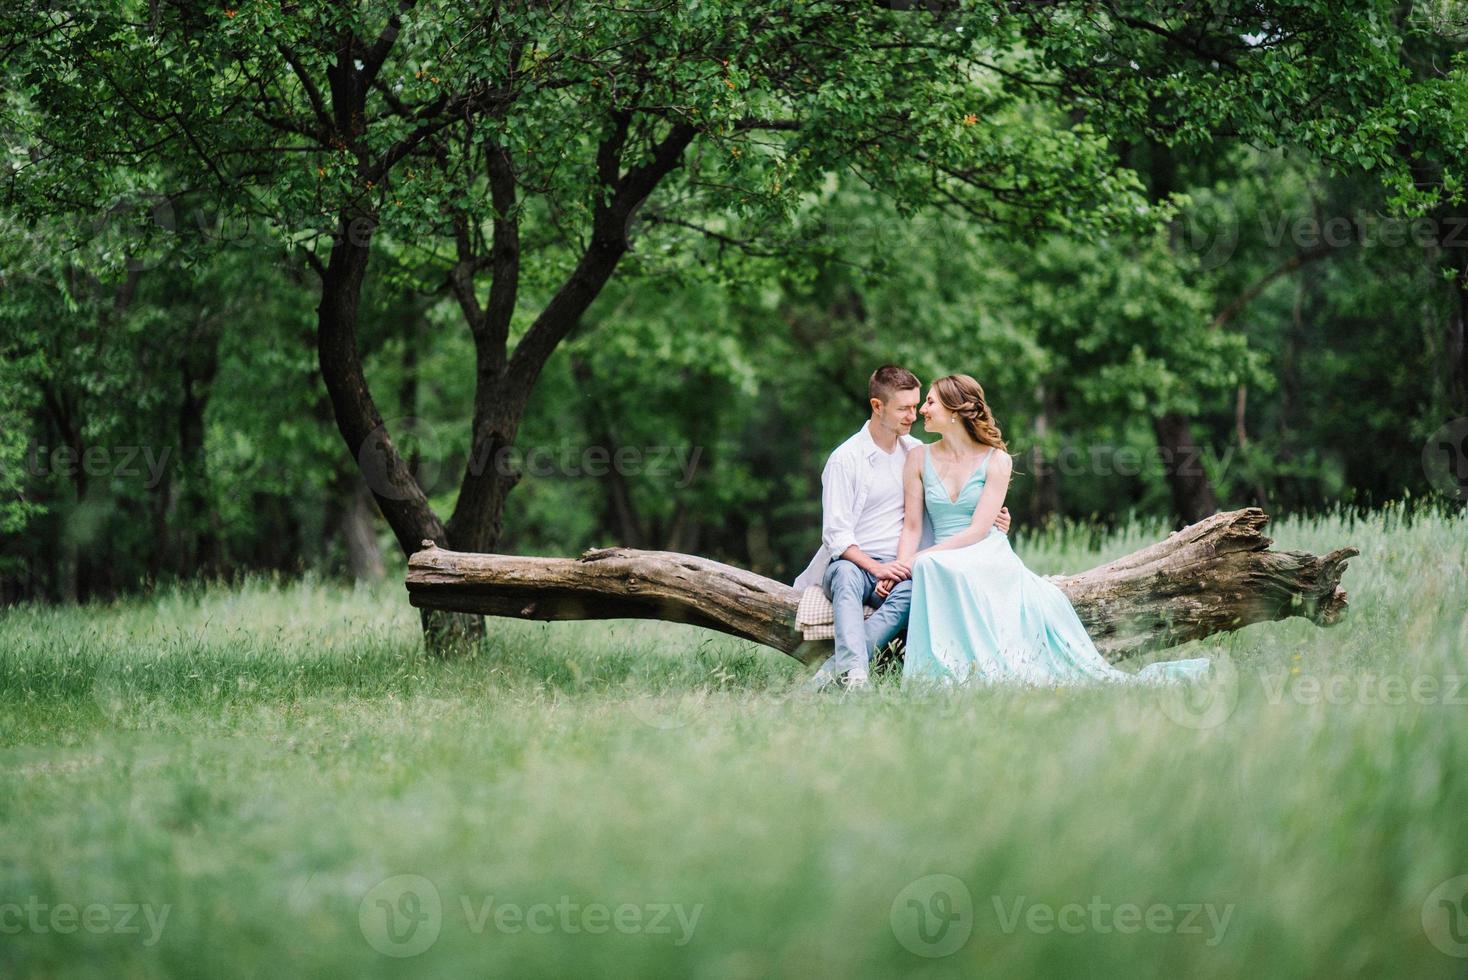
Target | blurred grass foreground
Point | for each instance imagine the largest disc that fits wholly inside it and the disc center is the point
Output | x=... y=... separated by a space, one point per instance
x=273 y=778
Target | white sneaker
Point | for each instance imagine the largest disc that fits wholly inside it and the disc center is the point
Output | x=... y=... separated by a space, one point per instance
x=817 y=682
x=857 y=682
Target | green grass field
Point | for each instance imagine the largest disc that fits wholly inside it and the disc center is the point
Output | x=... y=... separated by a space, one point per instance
x=274 y=781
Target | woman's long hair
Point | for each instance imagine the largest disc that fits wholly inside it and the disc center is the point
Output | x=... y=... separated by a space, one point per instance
x=964 y=397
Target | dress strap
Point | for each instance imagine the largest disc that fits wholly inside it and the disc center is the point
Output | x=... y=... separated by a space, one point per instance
x=984 y=466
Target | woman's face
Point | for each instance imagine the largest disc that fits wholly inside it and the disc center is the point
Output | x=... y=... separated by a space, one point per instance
x=932 y=410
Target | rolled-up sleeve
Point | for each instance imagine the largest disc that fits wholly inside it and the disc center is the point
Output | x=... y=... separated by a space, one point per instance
x=838 y=505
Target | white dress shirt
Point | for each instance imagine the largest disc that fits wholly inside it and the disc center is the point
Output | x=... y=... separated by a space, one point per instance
x=860 y=504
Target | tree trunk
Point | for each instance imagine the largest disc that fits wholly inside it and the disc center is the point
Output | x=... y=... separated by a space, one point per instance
x=1045 y=492
x=198 y=549
x=503 y=381
x=619 y=519
x=397 y=493
x=1210 y=577
x=1456 y=339
x=1192 y=493
x=359 y=533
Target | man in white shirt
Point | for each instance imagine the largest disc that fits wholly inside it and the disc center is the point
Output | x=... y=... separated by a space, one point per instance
x=861 y=521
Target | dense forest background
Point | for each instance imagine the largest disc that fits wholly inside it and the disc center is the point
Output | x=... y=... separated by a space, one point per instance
x=1283 y=326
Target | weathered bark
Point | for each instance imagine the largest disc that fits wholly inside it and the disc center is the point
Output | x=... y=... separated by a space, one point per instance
x=1210 y=577
x=613 y=583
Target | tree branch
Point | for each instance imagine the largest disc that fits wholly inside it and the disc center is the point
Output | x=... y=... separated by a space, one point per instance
x=1289 y=265
x=461 y=276
x=313 y=94
x=377 y=54
x=608 y=243
x=505 y=257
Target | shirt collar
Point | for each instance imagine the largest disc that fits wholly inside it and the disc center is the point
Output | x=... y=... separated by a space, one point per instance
x=869 y=447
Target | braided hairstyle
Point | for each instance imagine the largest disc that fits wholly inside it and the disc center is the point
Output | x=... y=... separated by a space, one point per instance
x=964 y=397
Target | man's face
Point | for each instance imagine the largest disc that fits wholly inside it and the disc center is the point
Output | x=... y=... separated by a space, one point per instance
x=898 y=412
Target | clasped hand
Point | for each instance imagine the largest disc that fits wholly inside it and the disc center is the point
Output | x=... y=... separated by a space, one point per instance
x=890 y=573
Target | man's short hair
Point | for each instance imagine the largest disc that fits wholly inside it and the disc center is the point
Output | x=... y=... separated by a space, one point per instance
x=889 y=379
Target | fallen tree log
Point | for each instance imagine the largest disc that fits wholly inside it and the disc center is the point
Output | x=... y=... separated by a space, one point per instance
x=1209 y=577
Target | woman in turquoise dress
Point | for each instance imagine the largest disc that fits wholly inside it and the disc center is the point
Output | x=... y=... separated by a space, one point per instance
x=978 y=614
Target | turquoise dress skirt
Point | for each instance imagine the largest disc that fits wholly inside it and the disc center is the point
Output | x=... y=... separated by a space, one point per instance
x=979 y=615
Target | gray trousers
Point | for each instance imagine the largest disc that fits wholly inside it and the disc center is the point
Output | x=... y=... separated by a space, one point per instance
x=850 y=587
